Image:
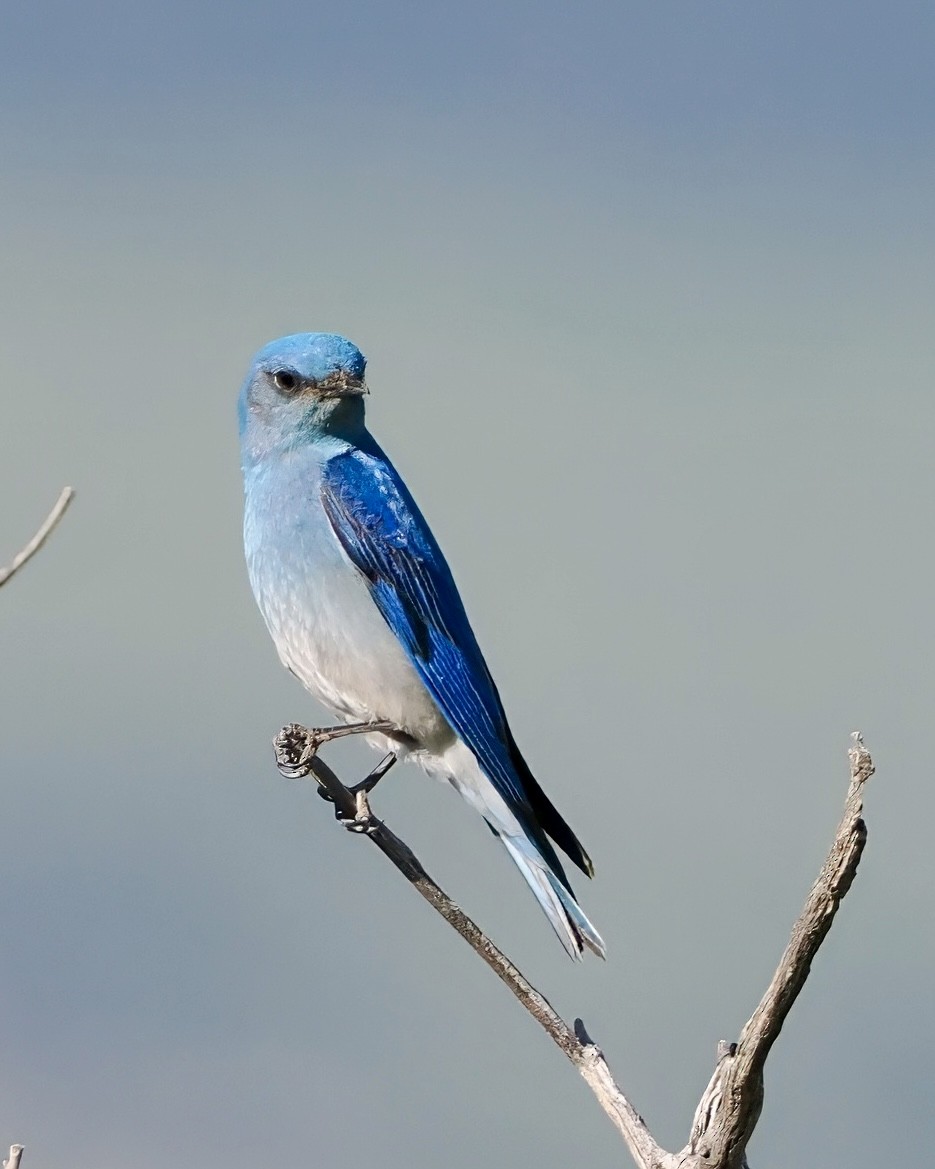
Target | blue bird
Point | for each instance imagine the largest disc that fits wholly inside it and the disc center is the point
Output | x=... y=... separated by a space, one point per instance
x=363 y=609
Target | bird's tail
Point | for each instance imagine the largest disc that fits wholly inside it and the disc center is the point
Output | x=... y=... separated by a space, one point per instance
x=535 y=858
x=565 y=915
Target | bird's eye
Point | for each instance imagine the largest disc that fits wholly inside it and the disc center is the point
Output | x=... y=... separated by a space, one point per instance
x=285 y=381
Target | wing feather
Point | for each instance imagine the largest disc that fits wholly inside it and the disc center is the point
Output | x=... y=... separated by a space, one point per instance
x=385 y=536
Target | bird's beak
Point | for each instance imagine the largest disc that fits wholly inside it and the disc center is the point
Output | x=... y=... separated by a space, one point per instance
x=341 y=385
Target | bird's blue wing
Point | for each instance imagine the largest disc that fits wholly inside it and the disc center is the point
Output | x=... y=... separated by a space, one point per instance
x=383 y=532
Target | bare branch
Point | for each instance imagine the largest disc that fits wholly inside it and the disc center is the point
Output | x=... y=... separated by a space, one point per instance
x=720 y=1135
x=292 y=754
x=730 y=1107
x=61 y=505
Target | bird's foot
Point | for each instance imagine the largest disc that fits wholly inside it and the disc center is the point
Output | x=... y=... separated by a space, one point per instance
x=296 y=746
x=369 y=782
x=363 y=820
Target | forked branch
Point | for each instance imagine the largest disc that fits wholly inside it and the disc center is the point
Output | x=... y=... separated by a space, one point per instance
x=730 y=1106
x=722 y=1139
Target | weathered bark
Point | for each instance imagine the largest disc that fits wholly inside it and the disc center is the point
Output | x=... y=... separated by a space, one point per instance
x=16 y=1155
x=730 y=1106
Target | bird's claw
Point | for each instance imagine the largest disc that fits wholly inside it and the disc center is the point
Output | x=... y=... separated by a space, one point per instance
x=295 y=747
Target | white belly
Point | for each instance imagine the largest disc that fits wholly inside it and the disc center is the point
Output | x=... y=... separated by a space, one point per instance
x=330 y=634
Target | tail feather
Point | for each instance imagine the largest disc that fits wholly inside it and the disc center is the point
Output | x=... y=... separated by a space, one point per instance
x=546 y=813
x=528 y=846
x=565 y=915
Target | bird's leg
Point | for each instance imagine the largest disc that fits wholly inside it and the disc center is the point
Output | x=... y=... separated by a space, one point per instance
x=321 y=735
x=362 y=821
x=296 y=746
x=370 y=782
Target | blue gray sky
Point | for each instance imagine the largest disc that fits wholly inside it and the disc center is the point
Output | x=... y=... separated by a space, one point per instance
x=647 y=297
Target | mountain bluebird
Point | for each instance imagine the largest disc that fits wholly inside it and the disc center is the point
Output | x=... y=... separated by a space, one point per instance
x=363 y=608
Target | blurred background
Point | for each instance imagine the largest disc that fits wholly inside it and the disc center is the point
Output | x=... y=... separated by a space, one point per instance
x=647 y=295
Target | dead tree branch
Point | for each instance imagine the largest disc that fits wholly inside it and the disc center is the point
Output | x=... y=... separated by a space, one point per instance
x=61 y=505
x=730 y=1106
x=723 y=1139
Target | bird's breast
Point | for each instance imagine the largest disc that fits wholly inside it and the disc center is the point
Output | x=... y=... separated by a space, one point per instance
x=319 y=611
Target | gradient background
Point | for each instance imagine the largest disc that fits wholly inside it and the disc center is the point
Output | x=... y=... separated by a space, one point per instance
x=647 y=292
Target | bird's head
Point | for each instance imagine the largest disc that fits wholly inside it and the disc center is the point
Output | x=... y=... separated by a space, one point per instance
x=302 y=388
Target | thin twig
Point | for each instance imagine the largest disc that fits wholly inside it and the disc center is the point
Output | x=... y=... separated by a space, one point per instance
x=730 y=1107
x=721 y=1136
x=61 y=505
